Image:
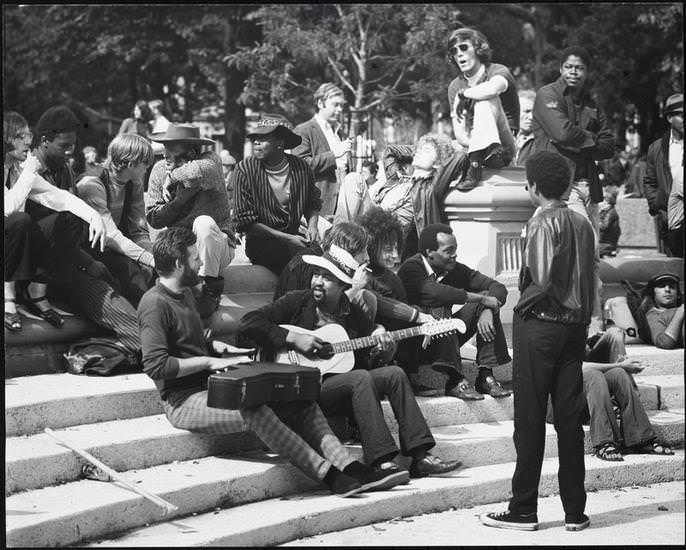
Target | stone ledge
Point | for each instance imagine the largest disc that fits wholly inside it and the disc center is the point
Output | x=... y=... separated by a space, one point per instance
x=279 y=520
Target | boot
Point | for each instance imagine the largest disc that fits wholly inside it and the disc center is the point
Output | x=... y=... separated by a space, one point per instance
x=210 y=296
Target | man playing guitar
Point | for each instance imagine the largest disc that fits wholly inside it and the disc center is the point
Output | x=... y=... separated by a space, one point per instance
x=179 y=360
x=358 y=392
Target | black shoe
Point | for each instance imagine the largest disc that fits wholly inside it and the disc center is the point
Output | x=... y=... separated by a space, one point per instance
x=420 y=390
x=472 y=178
x=342 y=484
x=492 y=387
x=576 y=522
x=376 y=479
x=497 y=157
x=463 y=390
x=395 y=476
x=432 y=465
x=508 y=520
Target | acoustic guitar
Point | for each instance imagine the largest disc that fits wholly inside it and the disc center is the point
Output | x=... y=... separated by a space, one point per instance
x=338 y=354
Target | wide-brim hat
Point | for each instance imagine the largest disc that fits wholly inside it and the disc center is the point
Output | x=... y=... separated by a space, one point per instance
x=336 y=261
x=269 y=123
x=674 y=104
x=181 y=133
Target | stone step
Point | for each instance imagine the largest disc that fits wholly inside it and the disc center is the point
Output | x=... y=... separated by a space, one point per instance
x=256 y=512
x=38 y=461
x=33 y=403
x=671 y=389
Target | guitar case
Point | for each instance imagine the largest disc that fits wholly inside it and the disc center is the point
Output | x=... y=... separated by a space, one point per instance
x=254 y=384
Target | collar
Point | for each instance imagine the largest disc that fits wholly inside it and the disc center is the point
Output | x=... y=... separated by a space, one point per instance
x=562 y=87
x=164 y=288
x=477 y=75
x=38 y=153
x=325 y=124
x=430 y=270
x=343 y=309
x=673 y=139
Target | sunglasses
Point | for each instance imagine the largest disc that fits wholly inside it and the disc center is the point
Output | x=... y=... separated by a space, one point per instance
x=461 y=47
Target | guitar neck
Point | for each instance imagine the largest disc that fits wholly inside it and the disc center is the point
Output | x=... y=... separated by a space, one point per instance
x=369 y=341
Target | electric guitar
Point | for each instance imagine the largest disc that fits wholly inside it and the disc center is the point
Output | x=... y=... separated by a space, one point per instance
x=338 y=353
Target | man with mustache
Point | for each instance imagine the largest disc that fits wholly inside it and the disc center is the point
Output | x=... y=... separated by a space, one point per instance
x=356 y=393
x=179 y=359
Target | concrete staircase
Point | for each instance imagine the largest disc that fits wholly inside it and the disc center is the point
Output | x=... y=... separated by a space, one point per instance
x=230 y=490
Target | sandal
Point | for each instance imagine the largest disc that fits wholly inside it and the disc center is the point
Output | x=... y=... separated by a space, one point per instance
x=12 y=320
x=50 y=315
x=653 y=447
x=608 y=451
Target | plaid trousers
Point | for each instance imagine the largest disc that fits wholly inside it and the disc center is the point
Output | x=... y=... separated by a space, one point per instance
x=299 y=433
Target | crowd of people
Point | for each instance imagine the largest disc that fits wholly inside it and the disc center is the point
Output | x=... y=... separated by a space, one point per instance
x=335 y=239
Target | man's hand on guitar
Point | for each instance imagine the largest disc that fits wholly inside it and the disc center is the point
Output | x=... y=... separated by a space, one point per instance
x=385 y=341
x=307 y=344
x=425 y=318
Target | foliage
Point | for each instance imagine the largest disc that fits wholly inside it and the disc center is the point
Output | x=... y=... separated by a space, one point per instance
x=389 y=58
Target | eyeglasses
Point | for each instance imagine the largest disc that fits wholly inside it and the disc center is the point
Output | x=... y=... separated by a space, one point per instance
x=24 y=135
x=461 y=47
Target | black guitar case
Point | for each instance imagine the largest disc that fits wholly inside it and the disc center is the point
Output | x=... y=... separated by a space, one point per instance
x=253 y=384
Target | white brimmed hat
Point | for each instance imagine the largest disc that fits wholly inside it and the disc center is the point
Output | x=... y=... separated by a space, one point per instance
x=340 y=263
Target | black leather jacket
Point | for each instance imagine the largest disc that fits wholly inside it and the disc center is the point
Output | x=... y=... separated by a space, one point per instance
x=556 y=280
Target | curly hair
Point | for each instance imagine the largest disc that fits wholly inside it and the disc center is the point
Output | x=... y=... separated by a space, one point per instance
x=443 y=145
x=383 y=228
x=550 y=172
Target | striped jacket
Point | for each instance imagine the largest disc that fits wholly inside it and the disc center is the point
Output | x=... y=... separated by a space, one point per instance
x=255 y=201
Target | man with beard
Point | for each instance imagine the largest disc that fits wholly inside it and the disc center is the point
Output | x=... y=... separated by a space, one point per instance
x=273 y=191
x=664 y=311
x=179 y=360
x=356 y=393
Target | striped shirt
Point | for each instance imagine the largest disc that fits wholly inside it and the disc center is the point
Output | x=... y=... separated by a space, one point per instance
x=256 y=201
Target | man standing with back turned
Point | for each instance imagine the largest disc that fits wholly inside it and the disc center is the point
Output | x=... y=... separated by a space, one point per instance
x=549 y=336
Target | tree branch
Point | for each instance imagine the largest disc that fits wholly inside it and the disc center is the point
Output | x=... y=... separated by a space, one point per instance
x=339 y=74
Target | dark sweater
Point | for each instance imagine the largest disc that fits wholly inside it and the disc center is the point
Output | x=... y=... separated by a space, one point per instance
x=452 y=289
x=171 y=328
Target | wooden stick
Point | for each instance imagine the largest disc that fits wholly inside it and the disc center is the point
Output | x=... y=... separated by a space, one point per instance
x=168 y=506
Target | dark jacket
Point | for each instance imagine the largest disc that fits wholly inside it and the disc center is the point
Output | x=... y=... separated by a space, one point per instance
x=315 y=150
x=657 y=182
x=556 y=278
x=581 y=138
x=421 y=290
x=298 y=308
